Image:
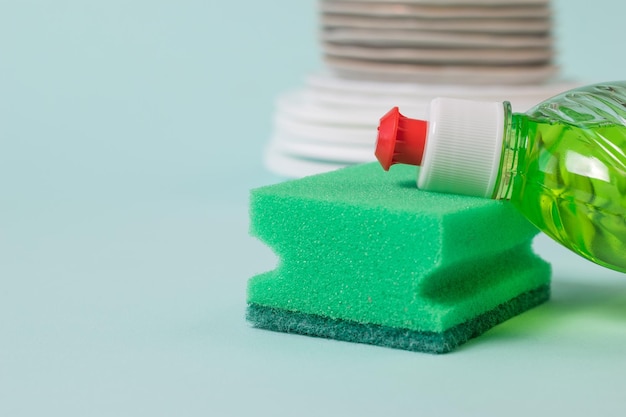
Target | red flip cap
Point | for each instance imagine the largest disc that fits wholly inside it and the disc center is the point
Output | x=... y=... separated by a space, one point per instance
x=400 y=139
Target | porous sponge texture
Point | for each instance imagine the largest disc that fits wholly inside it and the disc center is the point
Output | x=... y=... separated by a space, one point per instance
x=364 y=246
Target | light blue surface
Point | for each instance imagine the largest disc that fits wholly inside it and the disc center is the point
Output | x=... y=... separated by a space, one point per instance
x=130 y=133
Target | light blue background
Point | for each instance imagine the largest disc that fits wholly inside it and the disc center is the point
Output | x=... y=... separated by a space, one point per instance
x=130 y=134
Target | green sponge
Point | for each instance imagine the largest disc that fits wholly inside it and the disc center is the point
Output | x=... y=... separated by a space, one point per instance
x=366 y=257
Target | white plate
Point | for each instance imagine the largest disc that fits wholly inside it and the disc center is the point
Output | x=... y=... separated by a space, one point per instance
x=299 y=131
x=362 y=111
x=331 y=103
x=336 y=153
x=331 y=122
x=406 y=38
x=347 y=129
x=483 y=56
x=293 y=167
x=480 y=25
x=418 y=108
x=439 y=11
x=328 y=83
x=339 y=102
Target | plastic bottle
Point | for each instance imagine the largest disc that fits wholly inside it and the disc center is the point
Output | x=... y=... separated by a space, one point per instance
x=562 y=164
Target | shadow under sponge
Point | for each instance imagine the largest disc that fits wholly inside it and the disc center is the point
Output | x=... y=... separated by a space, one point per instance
x=364 y=256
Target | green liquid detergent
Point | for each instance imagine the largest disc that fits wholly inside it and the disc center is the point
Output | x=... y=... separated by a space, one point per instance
x=562 y=164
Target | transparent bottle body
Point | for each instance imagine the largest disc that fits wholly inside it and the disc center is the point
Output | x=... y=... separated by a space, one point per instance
x=564 y=168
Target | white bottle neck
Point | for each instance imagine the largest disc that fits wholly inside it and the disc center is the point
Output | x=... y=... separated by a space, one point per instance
x=463 y=147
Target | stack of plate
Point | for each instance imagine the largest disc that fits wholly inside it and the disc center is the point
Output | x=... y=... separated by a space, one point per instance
x=476 y=41
x=332 y=122
x=404 y=53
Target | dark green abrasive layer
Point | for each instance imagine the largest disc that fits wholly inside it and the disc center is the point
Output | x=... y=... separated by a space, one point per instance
x=363 y=246
x=277 y=319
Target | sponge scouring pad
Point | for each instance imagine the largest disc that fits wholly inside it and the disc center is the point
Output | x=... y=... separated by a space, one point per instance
x=366 y=257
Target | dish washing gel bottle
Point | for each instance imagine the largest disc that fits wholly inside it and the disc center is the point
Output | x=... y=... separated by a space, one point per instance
x=562 y=164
